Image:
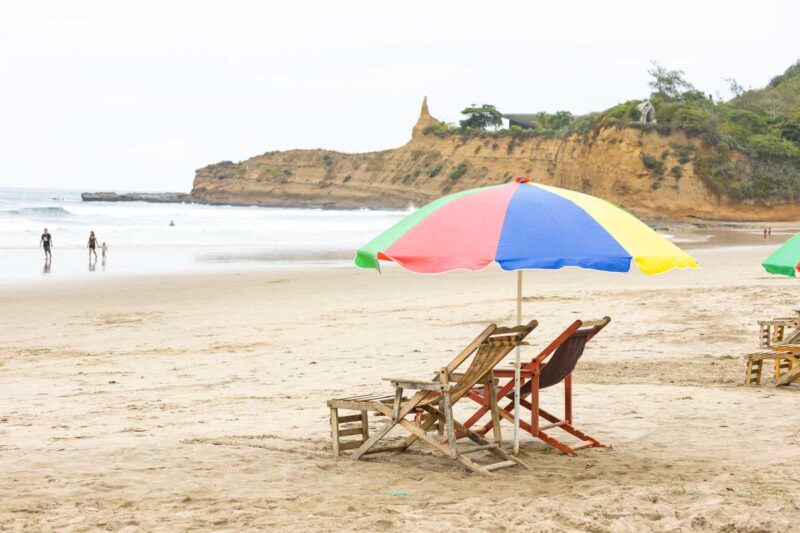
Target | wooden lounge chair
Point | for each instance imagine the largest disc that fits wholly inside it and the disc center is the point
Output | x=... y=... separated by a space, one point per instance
x=552 y=366
x=431 y=406
x=786 y=365
x=778 y=331
x=781 y=337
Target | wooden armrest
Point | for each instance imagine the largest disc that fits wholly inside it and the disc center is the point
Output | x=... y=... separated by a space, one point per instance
x=778 y=322
x=594 y=323
x=417 y=384
x=792 y=348
x=509 y=372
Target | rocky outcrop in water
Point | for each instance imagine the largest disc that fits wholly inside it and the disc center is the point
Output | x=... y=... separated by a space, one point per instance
x=156 y=197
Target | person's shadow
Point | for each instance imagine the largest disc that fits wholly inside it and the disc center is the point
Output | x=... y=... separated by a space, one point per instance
x=92 y=266
x=46 y=269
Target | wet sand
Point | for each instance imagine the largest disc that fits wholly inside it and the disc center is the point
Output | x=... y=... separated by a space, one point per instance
x=198 y=402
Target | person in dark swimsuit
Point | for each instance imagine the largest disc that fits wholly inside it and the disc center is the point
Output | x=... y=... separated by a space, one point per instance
x=92 y=246
x=46 y=242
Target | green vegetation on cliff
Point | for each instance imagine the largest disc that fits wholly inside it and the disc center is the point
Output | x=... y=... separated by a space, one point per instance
x=752 y=141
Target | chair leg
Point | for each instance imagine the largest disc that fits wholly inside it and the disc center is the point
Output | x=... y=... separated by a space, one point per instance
x=535 y=405
x=450 y=430
x=753 y=376
x=335 y=430
x=364 y=425
x=568 y=399
x=491 y=389
x=537 y=429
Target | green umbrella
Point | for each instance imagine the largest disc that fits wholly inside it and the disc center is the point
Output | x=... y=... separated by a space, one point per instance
x=786 y=259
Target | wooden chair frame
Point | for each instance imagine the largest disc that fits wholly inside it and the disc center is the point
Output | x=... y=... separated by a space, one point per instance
x=530 y=374
x=786 y=365
x=431 y=406
x=781 y=336
x=773 y=332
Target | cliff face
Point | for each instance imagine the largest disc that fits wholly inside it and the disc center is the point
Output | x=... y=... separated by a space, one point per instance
x=647 y=173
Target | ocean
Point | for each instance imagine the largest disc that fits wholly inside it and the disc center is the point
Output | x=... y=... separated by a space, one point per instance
x=140 y=239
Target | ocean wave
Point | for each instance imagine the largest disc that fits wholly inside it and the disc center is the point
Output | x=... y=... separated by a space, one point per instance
x=39 y=212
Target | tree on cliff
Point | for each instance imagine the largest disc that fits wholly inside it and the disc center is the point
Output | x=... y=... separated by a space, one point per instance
x=481 y=118
x=668 y=84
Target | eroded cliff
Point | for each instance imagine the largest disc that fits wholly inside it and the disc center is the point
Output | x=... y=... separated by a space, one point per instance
x=648 y=173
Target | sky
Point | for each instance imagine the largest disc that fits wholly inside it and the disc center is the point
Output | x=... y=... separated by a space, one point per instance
x=137 y=94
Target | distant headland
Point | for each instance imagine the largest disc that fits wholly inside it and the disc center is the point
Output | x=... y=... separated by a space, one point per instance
x=678 y=154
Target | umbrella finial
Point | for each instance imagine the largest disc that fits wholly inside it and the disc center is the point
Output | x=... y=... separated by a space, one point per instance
x=523 y=179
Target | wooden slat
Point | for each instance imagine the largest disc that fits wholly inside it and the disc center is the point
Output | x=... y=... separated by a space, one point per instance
x=479 y=448
x=349 y=418
x=417 y=385
x=350 y=431
x=354 y=405
x=595 y=323
x=471 y=347
x=395 y=448
x=551 y=426
x=497 y=466
x=350 y=445
x=789 y=377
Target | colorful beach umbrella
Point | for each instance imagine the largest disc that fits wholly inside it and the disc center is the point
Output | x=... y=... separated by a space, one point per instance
x=522 y=225
x=786 y=259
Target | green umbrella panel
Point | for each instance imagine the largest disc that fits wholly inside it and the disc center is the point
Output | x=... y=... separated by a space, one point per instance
x=785 y=259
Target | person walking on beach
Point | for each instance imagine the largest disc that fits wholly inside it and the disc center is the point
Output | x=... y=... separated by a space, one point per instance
x=92 y=246
x=46 y=242
x=103 y=251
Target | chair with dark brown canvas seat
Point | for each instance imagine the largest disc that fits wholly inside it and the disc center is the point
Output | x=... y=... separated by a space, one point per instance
x=552 y=366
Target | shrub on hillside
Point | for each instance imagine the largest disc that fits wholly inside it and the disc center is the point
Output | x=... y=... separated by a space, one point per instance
x=459 y=170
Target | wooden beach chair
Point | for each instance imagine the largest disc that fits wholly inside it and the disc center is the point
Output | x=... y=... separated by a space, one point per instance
x=552 y=366
x=781 y=337
x=786 y=366
x=778 y=331
x=431 y=406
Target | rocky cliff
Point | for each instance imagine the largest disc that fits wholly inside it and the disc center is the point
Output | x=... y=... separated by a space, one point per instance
x=650 y=174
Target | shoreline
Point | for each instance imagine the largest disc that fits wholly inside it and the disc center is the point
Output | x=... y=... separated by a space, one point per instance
x=189 y=198
x=320 y=269
x=70 y=265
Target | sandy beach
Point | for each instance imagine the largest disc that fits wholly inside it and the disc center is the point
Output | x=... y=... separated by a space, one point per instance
x=198 y=402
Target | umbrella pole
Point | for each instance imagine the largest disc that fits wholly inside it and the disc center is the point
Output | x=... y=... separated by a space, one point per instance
x=517 y=365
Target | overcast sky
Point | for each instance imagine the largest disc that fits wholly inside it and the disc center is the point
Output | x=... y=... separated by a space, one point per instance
x=135 y=95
